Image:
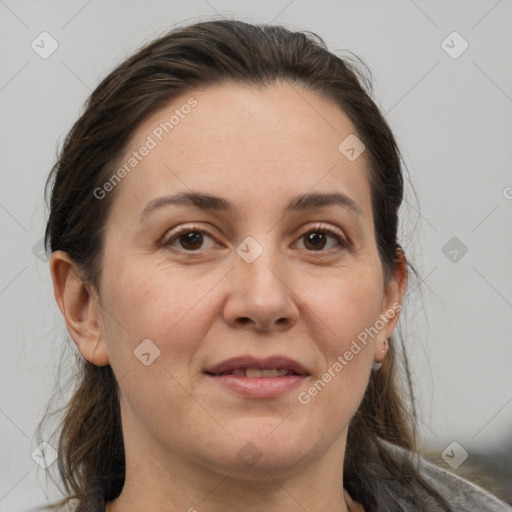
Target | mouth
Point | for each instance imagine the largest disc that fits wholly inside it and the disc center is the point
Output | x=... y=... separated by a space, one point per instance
x=253 y=367
x=258 y=378
x=256 y=373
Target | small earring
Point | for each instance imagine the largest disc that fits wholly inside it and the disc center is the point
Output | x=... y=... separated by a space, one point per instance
x=377 y=366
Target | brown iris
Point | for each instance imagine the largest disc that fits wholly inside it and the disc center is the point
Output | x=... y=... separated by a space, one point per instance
x=194 y=238
x=313 y=237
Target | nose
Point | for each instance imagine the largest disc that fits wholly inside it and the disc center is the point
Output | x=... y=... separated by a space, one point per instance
x=260 y=295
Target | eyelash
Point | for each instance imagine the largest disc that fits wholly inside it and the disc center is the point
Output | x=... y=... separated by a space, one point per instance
x=319 y=228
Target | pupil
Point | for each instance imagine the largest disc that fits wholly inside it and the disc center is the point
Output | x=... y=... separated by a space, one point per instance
x=315 y=237
x=192 y=238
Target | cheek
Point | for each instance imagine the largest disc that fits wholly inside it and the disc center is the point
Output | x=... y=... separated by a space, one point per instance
x=344 y=311
x=345 y=306
x=169 y=306
x=171 y=310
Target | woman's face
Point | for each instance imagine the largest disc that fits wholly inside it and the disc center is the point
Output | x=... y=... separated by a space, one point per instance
x=255 y=279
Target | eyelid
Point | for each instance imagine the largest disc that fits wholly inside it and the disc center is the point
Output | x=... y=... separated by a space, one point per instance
x=321 y=226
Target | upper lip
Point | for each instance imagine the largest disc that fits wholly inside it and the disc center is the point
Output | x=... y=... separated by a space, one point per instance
x=277 y=362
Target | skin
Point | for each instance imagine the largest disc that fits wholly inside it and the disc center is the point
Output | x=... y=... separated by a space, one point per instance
x=257 y=149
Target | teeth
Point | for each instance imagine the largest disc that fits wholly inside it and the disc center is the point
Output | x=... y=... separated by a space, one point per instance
x=255 y=373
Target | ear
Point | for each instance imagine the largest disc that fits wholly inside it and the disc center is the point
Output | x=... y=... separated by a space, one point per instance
x=80 y=307
x=392 y=302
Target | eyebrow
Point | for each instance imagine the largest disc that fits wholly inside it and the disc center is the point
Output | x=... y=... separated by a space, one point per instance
x=208 y=202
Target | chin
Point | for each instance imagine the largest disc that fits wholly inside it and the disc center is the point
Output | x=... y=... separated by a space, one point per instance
x=265 y=445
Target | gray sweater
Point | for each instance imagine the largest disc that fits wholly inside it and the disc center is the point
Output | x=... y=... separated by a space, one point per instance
x=462 y=495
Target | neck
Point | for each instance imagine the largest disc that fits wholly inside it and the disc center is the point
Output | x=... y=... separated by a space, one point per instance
x=155 y=480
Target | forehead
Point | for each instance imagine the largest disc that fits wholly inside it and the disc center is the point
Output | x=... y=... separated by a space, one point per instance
x=234 y=139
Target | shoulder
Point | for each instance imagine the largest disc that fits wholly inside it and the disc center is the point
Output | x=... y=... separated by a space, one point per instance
x=462 y=495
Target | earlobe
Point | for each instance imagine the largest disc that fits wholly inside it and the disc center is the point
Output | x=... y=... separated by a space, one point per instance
x=79 y=307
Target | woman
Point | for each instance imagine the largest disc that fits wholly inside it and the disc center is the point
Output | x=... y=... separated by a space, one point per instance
x=223 y=230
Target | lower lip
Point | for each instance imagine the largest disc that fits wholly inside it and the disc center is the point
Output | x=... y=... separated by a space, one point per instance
x=260 y=387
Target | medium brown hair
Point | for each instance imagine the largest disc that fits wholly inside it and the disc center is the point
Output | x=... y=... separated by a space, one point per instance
x=90 y=445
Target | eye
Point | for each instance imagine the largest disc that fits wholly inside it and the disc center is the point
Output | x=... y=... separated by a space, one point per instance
x=316 y=238
x=190 y=238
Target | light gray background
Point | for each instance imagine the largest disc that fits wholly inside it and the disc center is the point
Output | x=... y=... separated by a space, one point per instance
x=453 y=121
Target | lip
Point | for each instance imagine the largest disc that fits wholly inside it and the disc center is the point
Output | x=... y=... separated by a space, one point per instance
x=259 y=387
x=247 y=361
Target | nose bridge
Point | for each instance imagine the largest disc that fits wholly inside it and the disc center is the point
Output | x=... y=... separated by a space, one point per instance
x=259 y=291
x=259 y=262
